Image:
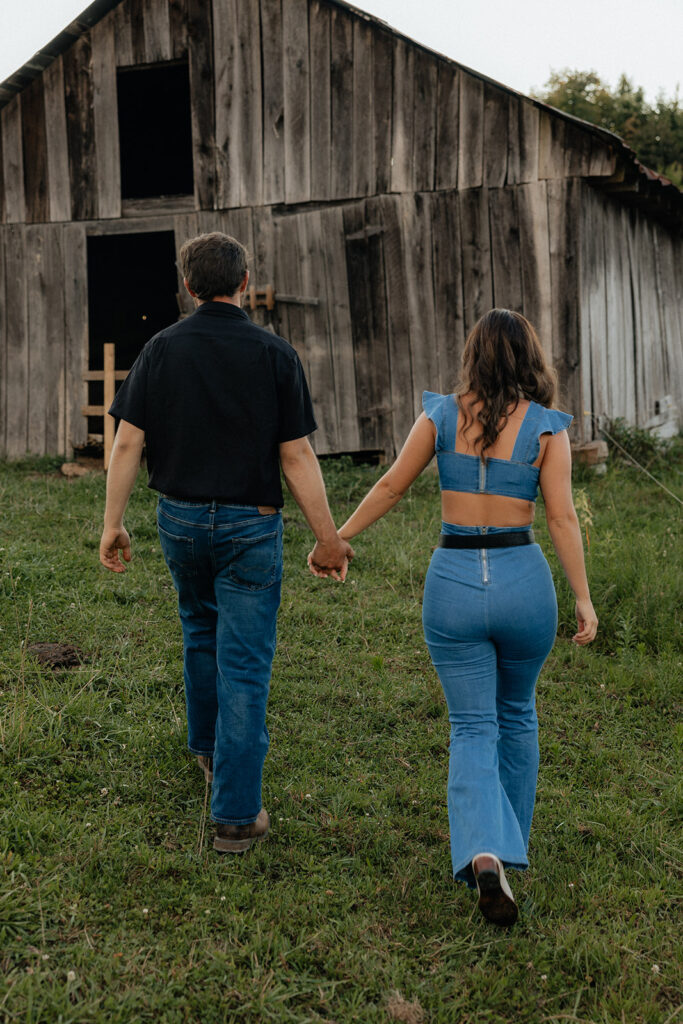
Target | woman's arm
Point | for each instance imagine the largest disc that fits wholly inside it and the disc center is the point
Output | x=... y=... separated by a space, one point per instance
x=563 y=525
x=387 y=492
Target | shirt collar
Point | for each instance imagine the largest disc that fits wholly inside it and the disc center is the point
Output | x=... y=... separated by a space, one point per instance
x=228 y=309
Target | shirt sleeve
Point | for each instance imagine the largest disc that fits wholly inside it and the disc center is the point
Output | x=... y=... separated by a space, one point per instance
x=295 y=408
x=130 y=403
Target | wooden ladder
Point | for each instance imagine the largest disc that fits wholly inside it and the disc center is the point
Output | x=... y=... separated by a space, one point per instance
x=109 y=375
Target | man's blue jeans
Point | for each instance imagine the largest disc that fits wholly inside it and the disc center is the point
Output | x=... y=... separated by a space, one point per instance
x=226 y=564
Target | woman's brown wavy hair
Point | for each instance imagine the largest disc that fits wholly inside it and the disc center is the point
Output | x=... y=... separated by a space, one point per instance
x=503 y=361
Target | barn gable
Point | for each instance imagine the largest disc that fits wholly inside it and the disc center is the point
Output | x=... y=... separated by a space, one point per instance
x=389 y=195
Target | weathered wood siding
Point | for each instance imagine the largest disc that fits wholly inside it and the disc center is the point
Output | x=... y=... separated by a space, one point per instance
x=293 y=101
x=404 y=194
x=631 y=302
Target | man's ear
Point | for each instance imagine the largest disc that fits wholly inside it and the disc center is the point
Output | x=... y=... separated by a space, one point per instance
x=245 y=281
x=193 y=294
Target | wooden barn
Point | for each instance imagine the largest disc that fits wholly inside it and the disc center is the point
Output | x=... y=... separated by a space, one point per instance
x=389 y=197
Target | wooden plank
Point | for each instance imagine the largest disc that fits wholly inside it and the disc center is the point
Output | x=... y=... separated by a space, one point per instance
x=316 y=326
x=13 y=161
x=135 y=225
x=618 y=355
x=506 y=256
x=534 y=245
x=523 y=140
x=398 y=327
x=577 y=153
x=202 y=102
x=447 y=127
x=297 y=147
x=157 y=31
x=496 y=116
x=476 y=254
x=654 y=375
x=363 y=120
x=38 y=380
x=185 y=226
x=273 y=102
x=564 y=236
x=137 y=30
x=177 y=17
x=382 y=67
x=123 y=34
x=367 y=294
x=16 y=318
x=449 y=332
x=78 y=90
x=228 y=136
x=321 y=100
x=669 y=254
x=2 y=182
x=239 y=137
x=106 y=118
x=402 y=117
x=424 y=121
x=594 y=285
x=55 y=369
x=288 y=280
x=109 y=354
x=57 y=147
x=639 y=345
x=263 y=262
x=35 y=151
x=75 y=333
x=340 y=328
x=603 y=159
x=3 y=346
x=415 y=218
x=470 y=131
x=551 y=145
x=341 y=95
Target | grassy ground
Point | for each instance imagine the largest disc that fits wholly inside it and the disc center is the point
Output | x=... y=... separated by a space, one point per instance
x=113 y=907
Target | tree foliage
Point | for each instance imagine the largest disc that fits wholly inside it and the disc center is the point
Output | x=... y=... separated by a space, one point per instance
x=653 y=131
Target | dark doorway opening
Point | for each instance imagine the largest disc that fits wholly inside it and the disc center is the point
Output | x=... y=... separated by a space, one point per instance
x=155 y=133
x=132 y=294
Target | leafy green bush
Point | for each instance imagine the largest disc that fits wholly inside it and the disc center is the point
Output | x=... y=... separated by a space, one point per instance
x=635 y=443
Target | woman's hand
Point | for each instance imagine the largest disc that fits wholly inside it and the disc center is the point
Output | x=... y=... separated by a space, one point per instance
x=322 y=574
x=587 y=622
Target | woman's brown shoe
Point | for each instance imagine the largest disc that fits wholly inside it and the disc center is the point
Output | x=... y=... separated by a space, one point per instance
x=238 y=838
x=496 y=901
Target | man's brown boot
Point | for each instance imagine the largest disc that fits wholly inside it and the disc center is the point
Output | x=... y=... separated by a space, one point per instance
x=238 y=838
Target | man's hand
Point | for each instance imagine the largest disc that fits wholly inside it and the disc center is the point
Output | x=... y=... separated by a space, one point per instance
x=114 y=539
x=331 y=558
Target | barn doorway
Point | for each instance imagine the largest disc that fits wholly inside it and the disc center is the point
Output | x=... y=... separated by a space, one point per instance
x=132 y=294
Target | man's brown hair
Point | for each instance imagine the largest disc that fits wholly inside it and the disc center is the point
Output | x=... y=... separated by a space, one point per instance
x=213 y=264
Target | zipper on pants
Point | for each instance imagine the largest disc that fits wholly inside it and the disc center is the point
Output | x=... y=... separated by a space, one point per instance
x=485 y=561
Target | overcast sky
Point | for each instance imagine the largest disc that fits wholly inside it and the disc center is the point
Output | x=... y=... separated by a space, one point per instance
x=516 y=42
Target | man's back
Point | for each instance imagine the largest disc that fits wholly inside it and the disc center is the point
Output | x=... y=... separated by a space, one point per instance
x=216 y=395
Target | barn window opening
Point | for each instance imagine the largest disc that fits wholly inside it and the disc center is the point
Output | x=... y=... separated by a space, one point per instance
x=155 y=133
x=132 y=294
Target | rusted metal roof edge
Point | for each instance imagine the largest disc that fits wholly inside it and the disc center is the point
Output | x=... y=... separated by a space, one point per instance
x=650 y=182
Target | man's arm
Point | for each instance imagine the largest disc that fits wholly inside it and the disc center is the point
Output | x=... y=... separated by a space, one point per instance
x=305 y=481
x=123 y=469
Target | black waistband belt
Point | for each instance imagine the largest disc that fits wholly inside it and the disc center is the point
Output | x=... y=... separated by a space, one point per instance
x=509 y=539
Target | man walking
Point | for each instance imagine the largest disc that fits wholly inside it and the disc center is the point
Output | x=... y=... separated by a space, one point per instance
x=220 y=403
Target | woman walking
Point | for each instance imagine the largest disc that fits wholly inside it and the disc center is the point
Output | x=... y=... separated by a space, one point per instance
x=490 y=611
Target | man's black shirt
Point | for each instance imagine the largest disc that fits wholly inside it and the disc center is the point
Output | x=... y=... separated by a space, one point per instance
x=215 y=395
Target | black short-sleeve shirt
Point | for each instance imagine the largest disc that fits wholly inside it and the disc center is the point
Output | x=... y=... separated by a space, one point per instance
x=215 y=395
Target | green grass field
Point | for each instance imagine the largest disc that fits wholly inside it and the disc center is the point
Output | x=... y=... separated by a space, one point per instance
x=114 y=907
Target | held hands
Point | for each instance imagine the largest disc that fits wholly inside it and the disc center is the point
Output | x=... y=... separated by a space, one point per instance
x=114 y=539
x=587 y=622
x=331 y=558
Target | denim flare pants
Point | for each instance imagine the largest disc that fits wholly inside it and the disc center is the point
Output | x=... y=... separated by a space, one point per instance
x=490 y=618
x=226 y=564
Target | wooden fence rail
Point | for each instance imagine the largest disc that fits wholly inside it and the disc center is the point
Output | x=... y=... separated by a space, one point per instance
x=109 y=375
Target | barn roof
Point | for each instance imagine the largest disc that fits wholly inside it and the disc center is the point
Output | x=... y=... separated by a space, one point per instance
x=633 y=180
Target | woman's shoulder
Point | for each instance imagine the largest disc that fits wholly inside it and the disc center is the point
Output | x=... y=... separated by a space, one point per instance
x=551 y=421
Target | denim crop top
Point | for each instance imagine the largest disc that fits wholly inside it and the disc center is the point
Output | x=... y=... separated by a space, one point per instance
x=516 y=477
